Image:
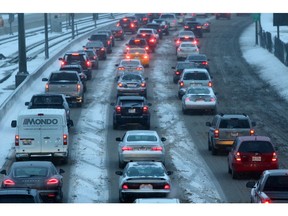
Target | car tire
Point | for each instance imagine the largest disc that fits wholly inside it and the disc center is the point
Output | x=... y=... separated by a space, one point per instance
x=213 y=150
x=209 y=145
x=121 y=164
x=115 y=126
x=229 y=169
x=235 y=175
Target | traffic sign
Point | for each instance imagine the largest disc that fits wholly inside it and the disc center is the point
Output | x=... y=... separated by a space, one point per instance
x=256 y=17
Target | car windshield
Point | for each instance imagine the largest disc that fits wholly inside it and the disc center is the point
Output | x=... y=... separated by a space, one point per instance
x=276 y=183
x=195 y=76
x=198 y=91
x=196 y=58
x=131 y=77
x=234 y=123
x=183 y=65
x=130 y=63
x=94 y=44
x=137 y=42
x=25 y=172
x=256 y=147
x=132 y=138
x=145 y=171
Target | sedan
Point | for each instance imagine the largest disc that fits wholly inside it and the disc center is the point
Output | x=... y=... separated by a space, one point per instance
x=40 y=175
x=139 y=53
x=185 y=49
x=129 y=65
x=143 y=179
x=199 y=98
x=201 y=60
x=132 y=84
x=140 y=145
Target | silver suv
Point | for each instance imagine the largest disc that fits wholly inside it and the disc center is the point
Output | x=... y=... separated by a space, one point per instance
x=193 y=77
x=224 y=128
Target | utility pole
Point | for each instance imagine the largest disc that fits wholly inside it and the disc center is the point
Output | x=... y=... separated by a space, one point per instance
x=72 y=27
x=46 y=36
x=22 y=73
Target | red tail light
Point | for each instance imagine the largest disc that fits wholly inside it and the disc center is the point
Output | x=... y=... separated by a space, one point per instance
x=146 y=56
x=132 y=25
x=88 y=63
x=186 y=27
x=8 y=182
x=198 y=27
x=210 y=84
x=47 y=87
x=181 y=83
x=252 y=132
x=16 y=140
x=152 y=40
x=52 y=181
x=102 y=49
x=121 y=68
x=204 y=63
x=78 y=87
x=128 y=57
x=237 y=157
x=62 y=63
x=147 y=48
x=109 y=42
x=145 y=109
x=118 y=109
x=126 y=148
x=265 y=200
x=120 y=32
x=125 y=187
x=65 y=139
x=139 y=68
x=158 y=148
x=143 y=84
x=167 y=187
x=177 y=72
x=178 y=42
x=118 y=24
x=274 y=157
x=216 y=133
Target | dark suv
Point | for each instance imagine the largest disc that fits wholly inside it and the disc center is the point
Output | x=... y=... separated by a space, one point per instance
x=128 y=25
x=131 y=109
x=75 y=58
x=105 y=38
x=20 y=195
x=224 y=128
x=195 y=27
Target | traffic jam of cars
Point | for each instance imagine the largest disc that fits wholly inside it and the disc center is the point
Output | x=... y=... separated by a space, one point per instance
x=43 y=129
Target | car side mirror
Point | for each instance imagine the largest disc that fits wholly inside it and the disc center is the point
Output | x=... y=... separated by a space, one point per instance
x=13 y=123
x=44 y=79
x=27 y=103
x=61 y=171
x=3 y=172
x=169 y=172
x=119 y=173
x=60 y=59
x=250 y=184
x=163 y=139
x=118 y=139
x=173 y=68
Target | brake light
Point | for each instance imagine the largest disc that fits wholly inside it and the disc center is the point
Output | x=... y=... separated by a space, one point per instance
x=147 y=48
x=126 y=148
x=237 y=157
x=128 y=57
x=216 y=133
x=120 y=84
x=187 y=99
x=178 y=42
x=118 y=109
x=181 y=83
x=204 y=63
x=88 y=63
x=124 y=19
x=152 y=40
x=144 y=34
x=132 y=25
x=252 y=132
x=186 y=37
x=177 y=72
x=125 y=187
x=8 y=182
x=120 y=32
x=167 y=187
x=143 y=84
x=145 y=109
x=198 y=27
x=274 y=157
x=75 y=54
x=109 y=42
x=65 y=139
x=146 y=56
x=139 y=68
x=186 y=27
x=265 y=200
x=118 y=24
x=16 y=140
x=78 y=87
x=212 y=99
x=121 y=68
x=62 y=63
x=158 y=148
x=47 y=87
x=52 y=181
x=210 y=84
x=102 y=49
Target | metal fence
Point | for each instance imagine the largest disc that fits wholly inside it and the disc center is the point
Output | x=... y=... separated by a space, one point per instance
x=274 y=45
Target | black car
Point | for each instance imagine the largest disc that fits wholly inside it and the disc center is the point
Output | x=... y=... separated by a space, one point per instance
x=151 y=40
x=77 y=58
x=20 y=195
x=93 y=57
x=195 y=27
x=200 y=60
x=164 y=25
x=128 y=25
x=99 y=47
x=118 y=32
x=131 y=109
x=49 y=101
x=137 y=42
x=143 y=18
x=40 y=175
x=178 y=69
x=156 y=26
x=110 y=33
x=105 y=38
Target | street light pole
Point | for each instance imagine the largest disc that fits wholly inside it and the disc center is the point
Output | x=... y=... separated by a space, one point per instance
x=46 y=36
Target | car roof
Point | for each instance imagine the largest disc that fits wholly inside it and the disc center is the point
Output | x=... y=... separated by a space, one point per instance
x=33 y=163
x=196 y=70
x=254 y=138
x=276 y=172
x=141 y=132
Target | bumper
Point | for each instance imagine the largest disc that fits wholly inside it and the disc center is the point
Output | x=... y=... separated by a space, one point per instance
x=131 y=92
x=200 y=106
x=254 y=167
x=40 y=154
x=132 y=119
x=142 y=156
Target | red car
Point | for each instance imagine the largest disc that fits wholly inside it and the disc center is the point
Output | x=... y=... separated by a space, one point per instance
x=252 y=154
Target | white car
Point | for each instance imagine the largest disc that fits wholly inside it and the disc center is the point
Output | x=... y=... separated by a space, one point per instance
x=129 y=65
x=200 y=98
x=186 y=48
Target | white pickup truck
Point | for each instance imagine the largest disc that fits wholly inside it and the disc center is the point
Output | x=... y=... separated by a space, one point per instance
x=68 y=83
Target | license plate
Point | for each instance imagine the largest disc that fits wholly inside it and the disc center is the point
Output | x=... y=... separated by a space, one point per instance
x=195 y=84
x=26 y=142
x=256 y=158
x=199 y=100
x=131 y=85
x=234 y=134
x=132 y=111
x=146 y=187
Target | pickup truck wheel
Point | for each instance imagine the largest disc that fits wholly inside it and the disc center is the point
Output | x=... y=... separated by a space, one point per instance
x=229 y=169
x=209 y=145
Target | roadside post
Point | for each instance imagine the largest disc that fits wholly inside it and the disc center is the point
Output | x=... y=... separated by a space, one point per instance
x=256 y=19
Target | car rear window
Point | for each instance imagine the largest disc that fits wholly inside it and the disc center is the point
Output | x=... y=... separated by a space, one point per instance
x=198 y=91
x=132 y=138
x=234 y=123
x=64 y=76
x=195 y=76
x=47 y=100
x=256 y=146
x=98 y=37
x=276 y=183
x=131 y=77
x=130 y=63
x=132 y=102
x=196 y=58
x=137 y=42
x=74 y=57
x=167 y=16
x=184 y=65
x=30 y=172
